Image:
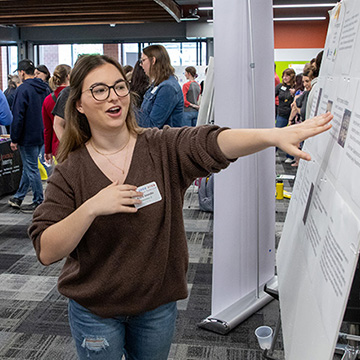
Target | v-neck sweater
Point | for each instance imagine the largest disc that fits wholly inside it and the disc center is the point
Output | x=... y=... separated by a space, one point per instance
x=126 y=264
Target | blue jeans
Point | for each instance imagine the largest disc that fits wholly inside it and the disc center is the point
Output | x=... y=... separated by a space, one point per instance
x=281 y=121
x=30 y=174
x=190 y=118
x=146 y=336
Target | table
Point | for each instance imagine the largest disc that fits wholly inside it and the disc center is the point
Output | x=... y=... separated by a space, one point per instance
x=10 y=168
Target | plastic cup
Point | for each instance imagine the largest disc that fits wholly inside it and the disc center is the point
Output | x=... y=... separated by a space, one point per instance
x=264 y=335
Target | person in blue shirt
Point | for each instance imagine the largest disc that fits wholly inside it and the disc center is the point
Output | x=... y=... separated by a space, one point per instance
x=163 y=102
x=5 y=113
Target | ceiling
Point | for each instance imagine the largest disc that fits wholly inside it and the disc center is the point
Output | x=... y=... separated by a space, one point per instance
x=90 y=12
x=85 y=12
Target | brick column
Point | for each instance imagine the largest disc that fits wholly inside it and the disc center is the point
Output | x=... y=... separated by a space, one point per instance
x=112 y=50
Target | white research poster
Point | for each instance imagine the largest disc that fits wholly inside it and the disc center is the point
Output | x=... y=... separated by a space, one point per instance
x=319 y=248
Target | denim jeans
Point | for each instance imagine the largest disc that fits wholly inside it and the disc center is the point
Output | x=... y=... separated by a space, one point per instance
x=30 y=174
x=190 y=118
x=281 y=121
x=146 y=336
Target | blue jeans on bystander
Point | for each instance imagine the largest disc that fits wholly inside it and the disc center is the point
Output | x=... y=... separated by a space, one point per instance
x=190 y=118
x=30 y=174
x=146 y=336
x=281 y=121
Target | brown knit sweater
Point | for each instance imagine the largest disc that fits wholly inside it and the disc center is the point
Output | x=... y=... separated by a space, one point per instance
x=129 y=263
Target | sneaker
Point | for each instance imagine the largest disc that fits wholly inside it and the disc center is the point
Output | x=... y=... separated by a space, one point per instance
x=15 y=202
x=289 y=161
x=29 y=208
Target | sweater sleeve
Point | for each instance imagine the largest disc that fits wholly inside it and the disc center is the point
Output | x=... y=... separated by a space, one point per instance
x=192 y=152
x=59 y=203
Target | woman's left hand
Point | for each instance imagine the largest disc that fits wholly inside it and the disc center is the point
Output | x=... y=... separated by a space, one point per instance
x=290 y=137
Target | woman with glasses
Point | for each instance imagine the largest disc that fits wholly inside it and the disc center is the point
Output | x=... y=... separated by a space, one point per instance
x=113 y=209
x=163 y=102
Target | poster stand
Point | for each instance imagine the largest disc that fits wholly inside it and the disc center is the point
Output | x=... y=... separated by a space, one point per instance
x=224 y=319
x=228 y=319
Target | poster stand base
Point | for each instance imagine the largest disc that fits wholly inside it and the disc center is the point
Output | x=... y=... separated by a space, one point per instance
x=228 y=319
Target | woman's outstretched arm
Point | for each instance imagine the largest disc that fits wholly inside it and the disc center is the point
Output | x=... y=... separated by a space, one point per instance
x=235 y=143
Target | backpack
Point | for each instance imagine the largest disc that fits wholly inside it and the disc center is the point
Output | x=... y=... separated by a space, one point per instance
x=206 y=193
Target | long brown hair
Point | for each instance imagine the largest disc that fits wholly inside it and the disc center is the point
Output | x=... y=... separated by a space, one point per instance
x=291 y=73
x=162 y=69
x=77 y=130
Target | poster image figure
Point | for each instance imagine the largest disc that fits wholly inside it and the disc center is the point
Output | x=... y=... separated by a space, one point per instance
x=329 y=106
x=318 y=102
x=344 y=127
x=308 y=202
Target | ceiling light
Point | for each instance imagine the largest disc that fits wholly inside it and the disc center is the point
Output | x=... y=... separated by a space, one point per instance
x=189 y=19
x=303 y=5
x=204 y=8
x=210 y=20
x=301 y=18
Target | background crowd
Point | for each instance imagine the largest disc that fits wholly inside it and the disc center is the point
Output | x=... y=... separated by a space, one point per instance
x=159 y=100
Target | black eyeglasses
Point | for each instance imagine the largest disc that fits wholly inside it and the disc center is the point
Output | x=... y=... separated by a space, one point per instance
x=101 y=92
x=141 y=61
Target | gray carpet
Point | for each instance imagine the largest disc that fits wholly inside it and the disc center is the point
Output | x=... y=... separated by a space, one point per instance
x=33 y=315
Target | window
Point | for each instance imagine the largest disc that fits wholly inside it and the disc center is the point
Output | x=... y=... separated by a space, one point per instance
x=130 y=53
x=9 y=62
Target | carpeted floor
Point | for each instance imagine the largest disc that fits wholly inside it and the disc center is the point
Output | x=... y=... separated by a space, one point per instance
x=33 y=315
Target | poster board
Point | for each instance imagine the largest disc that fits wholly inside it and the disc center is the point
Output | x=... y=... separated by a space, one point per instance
x=319 y=247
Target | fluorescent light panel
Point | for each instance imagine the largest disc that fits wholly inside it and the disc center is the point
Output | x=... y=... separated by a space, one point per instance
x=204 y=8
x=189 y=19
x=303 y=5
x=300 y=18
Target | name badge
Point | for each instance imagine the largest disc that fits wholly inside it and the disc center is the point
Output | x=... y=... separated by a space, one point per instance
x=151 y=194
x=284 y=88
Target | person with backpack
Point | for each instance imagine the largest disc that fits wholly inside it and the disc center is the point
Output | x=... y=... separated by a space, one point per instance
x=59 y=81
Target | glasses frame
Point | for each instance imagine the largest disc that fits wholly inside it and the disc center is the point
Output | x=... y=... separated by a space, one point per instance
x=141 y=61
x=91 y=89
